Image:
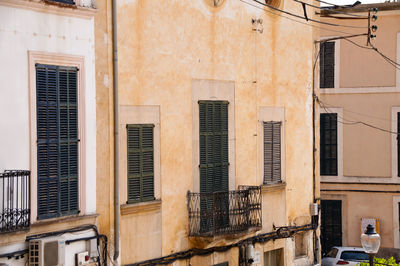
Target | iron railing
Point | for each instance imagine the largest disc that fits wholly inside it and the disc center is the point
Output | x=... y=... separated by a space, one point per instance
x=14 y=200
x=227 y=212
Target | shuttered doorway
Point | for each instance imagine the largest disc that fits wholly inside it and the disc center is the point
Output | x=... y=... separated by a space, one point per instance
x=214 y=163
x=331 y=224
x=57 y=140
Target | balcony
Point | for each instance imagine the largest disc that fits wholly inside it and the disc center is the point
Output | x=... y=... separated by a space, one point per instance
x=223 y=213
x=14 y=200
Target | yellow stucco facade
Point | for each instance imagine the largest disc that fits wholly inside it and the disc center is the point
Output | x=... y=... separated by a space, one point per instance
x=172 y=54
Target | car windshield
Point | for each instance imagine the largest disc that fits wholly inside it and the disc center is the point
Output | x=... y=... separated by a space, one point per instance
x=354 y=255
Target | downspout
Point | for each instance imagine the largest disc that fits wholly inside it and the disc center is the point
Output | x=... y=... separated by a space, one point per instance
x=316 y=243
x=116 y=130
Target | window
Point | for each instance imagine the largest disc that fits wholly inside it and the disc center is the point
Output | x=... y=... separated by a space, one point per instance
x=300 y=245
x=272 y=152
x=354 y=255
x=332 y=253
x=213 y=118
x=140 y=160
x=328 y=144
x=274 y=257
x=327 y=65
x=57 y=140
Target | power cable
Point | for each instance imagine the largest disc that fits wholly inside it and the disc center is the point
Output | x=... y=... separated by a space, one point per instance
x=333 y=11
x=362 y=114
x=350 y=122
x=384 y=56
x=280 y=233
x=313 y=20
x=294 y=20
x=342 y=6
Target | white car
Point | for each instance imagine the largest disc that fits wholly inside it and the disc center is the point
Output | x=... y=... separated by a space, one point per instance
x=344 y=256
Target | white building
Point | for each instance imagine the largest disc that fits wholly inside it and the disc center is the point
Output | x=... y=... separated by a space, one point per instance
x=48 y=126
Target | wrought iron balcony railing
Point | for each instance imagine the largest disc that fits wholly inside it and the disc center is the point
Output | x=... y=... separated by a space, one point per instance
x=14 y=200
x=222 y=213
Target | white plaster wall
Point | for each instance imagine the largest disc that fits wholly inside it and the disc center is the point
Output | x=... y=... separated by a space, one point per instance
x=23 y=30
x=70 y=250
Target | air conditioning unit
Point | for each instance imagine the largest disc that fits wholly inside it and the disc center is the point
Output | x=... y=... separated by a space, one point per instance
x=47 y=251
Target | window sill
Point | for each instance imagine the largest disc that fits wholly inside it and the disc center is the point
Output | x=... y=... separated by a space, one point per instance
x=48 y=225
x=68 y=219
x=74 y=11
x=141 y=207
x=273 y=187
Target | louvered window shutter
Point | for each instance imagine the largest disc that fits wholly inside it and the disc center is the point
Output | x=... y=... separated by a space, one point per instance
x=214 y=154
x=328 y=146
x=272 y=152
x=327 y=65
x=140 y=163
x=69 y=2
x=57 y=140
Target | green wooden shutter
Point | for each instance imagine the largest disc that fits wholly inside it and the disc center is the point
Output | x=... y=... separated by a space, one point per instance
x=57 y=140
x=272 y=152
x=214 y=164
x=328 y=144
x=327 y=65
x=68 y=153
x=47 y=141
x=140 y=161
x=214 y=154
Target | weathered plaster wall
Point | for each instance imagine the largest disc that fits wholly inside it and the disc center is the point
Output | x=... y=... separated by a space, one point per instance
x=369 y=63
x=104 y=119
x=366 y=151
x=163 y=47
x=23 y=30
x=354 y=207
x=46 y=33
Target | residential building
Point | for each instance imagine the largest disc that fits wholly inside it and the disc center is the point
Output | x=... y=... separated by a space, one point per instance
x=359 y=125
x=48 y=144
x=215 y=133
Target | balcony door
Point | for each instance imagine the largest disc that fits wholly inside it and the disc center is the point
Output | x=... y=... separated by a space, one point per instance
x=214 y=165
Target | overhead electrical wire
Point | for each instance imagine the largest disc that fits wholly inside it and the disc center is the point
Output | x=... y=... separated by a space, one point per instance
x=351 y=122
x=308 y=19
x=280 y=233
x=294 y=20
x=362 y=114
x=342 y=6
x=334 y=11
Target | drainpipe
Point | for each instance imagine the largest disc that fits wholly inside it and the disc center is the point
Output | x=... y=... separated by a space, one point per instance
x=316 y=243
x=116 y=130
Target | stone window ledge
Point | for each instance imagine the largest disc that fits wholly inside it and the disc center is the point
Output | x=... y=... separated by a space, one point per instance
x=273 y=187
x=77 y=11
x=141 y=207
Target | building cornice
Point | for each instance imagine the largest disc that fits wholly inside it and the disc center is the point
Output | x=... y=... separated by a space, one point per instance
x=76 y=11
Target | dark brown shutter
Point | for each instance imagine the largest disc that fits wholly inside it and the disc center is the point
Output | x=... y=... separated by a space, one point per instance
x=328 y=144
x=57 y=143
x=327 y=65
x=272 y=152
x=140 y=161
